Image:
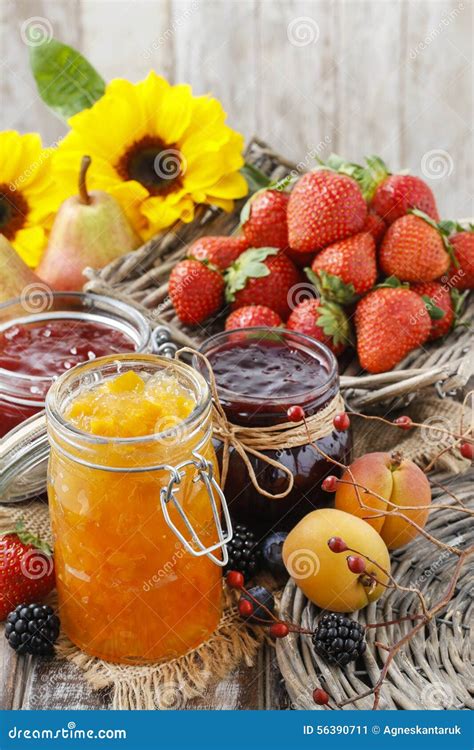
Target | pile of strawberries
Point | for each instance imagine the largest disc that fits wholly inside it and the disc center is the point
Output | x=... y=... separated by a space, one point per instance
x=375 y=255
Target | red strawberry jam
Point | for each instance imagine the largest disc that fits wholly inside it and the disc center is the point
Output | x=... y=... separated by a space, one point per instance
x=259 y=375
x=37 y=347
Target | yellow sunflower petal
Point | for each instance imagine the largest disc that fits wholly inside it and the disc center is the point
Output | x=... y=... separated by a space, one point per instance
x=230 y=186
x=149 y=94
x=29 y=244
x=20 y=157
x=173 y=113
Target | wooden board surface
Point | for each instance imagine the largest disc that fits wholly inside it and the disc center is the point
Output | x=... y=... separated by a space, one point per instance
x=392 y=77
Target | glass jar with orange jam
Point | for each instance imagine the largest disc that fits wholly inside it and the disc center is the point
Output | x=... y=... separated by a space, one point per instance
x=135 y=508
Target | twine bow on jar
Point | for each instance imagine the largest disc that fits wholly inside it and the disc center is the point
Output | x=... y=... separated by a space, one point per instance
x=255 y=441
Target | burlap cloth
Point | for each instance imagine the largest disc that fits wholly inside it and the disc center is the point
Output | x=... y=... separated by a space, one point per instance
x=168 y=685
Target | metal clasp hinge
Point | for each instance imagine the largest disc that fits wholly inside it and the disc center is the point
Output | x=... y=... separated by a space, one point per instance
x=205 y=474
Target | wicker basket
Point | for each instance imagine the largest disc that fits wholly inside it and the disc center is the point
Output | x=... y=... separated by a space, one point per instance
x=141 y=277
x=434 y=670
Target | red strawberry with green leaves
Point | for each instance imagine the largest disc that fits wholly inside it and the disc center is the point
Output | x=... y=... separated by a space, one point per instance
x=263 y=219
x=253 y=315
x=324 y=321
x=196 y=291
x=26 y=569
x=390 y=322
x=389 y=195
x=346 y=269
x=218 y=251
x=262 y=276
x=393 y=195
x=439 y=305
x=461 y=272
x=415 y=248
x=324 y=207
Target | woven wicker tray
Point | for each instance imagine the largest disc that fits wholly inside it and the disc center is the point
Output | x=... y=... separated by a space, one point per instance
x=435 y=670
x=141 y=277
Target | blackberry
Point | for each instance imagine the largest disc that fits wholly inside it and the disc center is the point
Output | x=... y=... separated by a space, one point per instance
x=244 y=554
x=339 y=639
x=272 y=559
x=263 y=596
x=32 y=629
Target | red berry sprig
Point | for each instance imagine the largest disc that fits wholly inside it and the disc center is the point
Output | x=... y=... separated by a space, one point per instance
x=235 y=580
x=336 y=544
x=329 y=484
x=356 y=564
x=295 y=414
x=404 y=422
x=341 y=422
x=467 y=451
x=320 y=697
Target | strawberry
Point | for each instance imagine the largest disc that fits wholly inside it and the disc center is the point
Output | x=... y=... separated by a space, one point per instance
x=219 y=251
x=324 y=321
x=324 y=207
x=26 y=569
x=461 y=273
x=414 y=249
x=196 y=291
x=346 y=268
x=253 y=315
x=263 y=219
x=376 y=226
x=395 y=194
x=262 y=276
x=390 y=322
x=389 y=195
x=439 y=307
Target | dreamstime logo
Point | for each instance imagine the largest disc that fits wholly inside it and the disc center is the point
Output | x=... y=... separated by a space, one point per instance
x=437 y=696
x=36 y=565
x=433 y=431
x=436 y=164
x=169 y=164
x=36 y=31
x=170 y=697
x=299 y=293
x=302 y=31
x=302 y=563
x=173 y=427
x=36 y=297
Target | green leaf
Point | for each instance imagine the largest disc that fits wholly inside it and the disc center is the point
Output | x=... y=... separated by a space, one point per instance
x=256 y=179
x=66 y=82
x=391 y=282
x=331 y=287
x=435 y=312
x=248 y=265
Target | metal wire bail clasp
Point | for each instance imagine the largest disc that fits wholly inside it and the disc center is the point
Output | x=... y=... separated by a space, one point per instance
x=205 y=474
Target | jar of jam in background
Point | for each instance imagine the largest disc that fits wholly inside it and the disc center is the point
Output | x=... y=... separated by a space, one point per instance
x=44 y=335
x=259 y=374
x=131 y=461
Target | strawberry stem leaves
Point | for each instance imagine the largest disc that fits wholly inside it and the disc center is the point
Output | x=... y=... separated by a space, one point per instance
x=249 y=265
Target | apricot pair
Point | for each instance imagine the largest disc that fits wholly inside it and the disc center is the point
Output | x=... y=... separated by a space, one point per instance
x=399 y=485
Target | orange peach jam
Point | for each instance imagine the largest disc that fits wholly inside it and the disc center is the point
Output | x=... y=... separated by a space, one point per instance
x=129 y=591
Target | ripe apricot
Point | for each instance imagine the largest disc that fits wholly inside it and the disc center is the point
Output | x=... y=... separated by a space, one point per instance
x=324 y=575
x=394 y=479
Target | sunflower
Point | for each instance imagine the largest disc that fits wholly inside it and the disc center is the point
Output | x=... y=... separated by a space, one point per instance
x=158 y=150
x=28 y=196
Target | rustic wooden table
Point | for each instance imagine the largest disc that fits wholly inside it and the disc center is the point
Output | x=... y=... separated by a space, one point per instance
x=43 y=683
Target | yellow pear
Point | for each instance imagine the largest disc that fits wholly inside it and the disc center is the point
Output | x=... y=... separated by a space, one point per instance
x=90 y=229
x=15 y=276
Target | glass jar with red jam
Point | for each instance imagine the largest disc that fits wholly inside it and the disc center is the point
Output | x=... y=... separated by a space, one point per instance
x=259 y=374
x=44 y=335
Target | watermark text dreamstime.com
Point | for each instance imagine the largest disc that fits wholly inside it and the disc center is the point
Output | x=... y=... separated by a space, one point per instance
x=170 y=31
x=434 y=33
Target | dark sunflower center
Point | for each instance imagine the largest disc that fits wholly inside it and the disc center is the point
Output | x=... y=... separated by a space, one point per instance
x=153 y=163
x=13 y=211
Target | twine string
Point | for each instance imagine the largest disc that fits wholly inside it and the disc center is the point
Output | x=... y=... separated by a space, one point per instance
x=255 y=440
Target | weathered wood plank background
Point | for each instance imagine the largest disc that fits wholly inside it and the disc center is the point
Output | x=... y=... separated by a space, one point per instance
x=392 y=77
